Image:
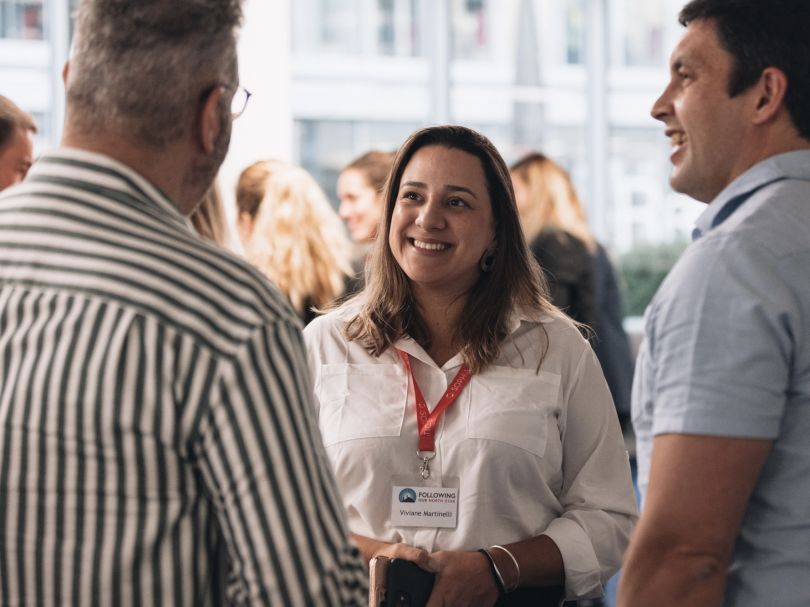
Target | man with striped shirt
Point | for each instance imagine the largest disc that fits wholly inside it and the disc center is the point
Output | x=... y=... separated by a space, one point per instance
x=157 y=437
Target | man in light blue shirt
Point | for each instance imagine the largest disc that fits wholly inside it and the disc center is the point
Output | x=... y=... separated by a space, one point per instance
x=721 y=398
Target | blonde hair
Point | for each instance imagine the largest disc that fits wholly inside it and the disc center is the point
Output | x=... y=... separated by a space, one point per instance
x=209 y=217
x=554 y=200
x=250 y=187
x=298 y=241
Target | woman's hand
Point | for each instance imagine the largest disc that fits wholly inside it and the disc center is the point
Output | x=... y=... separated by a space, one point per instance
x=463 y=580
x=409 y=553
x=370 y=548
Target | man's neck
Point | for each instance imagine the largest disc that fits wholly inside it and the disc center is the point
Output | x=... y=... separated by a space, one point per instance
x=162 y=168
x=780 y=139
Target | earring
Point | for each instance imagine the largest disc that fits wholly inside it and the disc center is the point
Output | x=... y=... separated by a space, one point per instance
x=488 y=260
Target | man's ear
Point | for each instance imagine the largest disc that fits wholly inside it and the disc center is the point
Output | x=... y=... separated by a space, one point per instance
x=208 y=119
x=65 y=71
x=771 y=89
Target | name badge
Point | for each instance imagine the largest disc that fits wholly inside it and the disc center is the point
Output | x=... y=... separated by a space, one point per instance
x=420 y=506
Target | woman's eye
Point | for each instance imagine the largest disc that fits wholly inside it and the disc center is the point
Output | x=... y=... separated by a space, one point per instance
x=457 y=202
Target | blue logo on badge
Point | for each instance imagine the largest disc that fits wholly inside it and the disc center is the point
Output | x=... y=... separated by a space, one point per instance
x=407 y=495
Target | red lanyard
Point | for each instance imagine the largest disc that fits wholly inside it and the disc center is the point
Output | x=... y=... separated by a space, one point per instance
x=426 y=420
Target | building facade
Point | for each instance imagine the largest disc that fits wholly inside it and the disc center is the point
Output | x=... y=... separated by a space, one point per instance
x=334 y=78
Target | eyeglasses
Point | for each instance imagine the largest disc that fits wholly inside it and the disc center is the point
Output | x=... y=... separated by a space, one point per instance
x=239 y=100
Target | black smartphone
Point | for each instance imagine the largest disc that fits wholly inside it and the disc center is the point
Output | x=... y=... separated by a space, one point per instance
x=408 y=584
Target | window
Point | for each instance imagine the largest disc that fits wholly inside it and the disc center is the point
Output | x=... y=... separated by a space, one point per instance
x=396 y=27
x=21 y=19
x=326 y=146
x=357 y=27
x=339 y=25
x=574 y=32
x=639 y=32
x=470 y=29
x=519 y=72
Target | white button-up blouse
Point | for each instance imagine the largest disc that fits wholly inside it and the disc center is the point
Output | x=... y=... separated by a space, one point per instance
x=535 y=452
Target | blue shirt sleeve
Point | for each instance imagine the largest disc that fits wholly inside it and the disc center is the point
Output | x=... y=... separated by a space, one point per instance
x=721 y=341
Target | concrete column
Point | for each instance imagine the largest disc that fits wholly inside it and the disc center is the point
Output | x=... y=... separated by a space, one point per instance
x=439 y=51
x=57 y=33
x=597 y=124
x=265 y=130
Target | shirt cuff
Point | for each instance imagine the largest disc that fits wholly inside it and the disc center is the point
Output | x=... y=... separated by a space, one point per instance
x=583 y=579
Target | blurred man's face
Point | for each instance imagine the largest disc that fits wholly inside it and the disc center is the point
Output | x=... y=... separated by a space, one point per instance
x=16 y=157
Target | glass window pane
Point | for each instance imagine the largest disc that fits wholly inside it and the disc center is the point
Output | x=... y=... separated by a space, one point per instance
x=326 y=146
x=470 y=20
x=21 y=19
x=574 y=32
x=397 y=27
x=642 y=26
x=339 y=29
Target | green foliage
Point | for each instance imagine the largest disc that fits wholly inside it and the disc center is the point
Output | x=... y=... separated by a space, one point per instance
x=642 y=270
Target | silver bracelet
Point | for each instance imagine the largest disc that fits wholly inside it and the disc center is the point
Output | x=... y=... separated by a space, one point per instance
x=514 y=562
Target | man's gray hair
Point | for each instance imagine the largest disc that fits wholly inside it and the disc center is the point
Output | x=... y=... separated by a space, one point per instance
x=137 y=68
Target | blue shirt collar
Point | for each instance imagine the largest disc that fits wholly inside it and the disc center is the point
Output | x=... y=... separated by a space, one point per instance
x=790 y=165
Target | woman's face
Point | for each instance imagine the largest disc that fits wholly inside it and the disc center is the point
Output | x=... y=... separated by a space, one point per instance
x=442 y=223
x=360 y=205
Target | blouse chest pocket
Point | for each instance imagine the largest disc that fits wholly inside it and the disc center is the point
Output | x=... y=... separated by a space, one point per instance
x=360 y=401
x=514 y=406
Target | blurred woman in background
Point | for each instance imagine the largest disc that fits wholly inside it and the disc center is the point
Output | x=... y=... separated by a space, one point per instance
x=582 y=278
x=558 y=243
x=208 y=218
x=360 y=190
x=359 y=187
x=290 y=232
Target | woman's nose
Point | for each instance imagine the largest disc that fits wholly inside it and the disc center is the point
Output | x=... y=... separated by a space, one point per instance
x=430 y=216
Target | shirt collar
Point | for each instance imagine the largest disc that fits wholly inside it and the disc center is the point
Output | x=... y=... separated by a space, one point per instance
x=111 y=173
x=409 y=345
x=790 y=165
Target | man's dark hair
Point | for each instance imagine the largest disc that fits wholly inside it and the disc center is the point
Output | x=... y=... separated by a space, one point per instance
x=11 y=118
x=761 y=34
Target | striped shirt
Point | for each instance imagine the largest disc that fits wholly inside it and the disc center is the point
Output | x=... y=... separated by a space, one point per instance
x=158 y=442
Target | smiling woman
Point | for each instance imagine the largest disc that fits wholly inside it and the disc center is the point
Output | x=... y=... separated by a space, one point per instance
x=455 y=377
x=442 y=222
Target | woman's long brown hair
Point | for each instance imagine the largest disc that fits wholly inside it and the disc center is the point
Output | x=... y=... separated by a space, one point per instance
x=389 y=311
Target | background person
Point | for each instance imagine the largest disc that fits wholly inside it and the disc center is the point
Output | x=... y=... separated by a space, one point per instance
x=157 y=442
x=721 y=399
x=17 y=130
x=548 y=201
x=294 y=236
x=560 y=245
x=208 y=218
x=360 y=192
x=453 y=297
